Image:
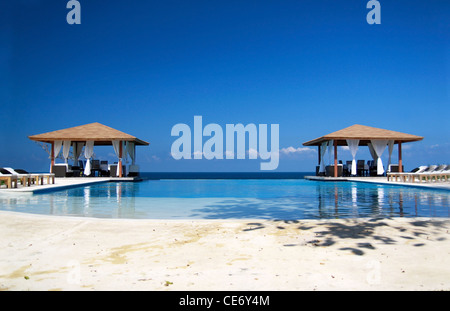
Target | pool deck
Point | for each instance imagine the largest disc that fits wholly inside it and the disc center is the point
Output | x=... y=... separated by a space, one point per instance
x=67 y=182
x=383 y=180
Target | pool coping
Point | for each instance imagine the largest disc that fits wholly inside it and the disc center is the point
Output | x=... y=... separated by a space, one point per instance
x=66 y=183
x=383 y=181
x=73 y=182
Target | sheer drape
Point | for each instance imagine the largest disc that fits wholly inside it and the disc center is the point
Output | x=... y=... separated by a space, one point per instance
x=323 y=149
x=66 y=150
x=130 y=151
x=88 y=152
x=353 y=146
x=391 y=148
x=77 y=148
x=57 y=147
x=330 y=147
x=379 y=146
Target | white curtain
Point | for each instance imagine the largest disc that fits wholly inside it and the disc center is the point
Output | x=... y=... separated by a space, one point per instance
x=372 y=152
x=125 y=151
x=88 y=152
x=353 y=146
x=66 y=149
x=378 y=147
x=130 y=150
x=116 y=145
x=323 y=149
x=330 y=147
x=77 y=148
x=57 y=147
x=391 y=148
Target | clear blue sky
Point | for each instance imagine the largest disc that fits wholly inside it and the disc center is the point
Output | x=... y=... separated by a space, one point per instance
x=313 y=67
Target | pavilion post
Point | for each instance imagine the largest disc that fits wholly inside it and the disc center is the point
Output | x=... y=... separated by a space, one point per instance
x=120 y=159
x=335 y=159
x=400 y=164
x=52 y=156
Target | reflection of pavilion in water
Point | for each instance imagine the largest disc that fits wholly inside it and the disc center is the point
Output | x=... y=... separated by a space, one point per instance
x=323 y=200
x=116 y=200
x=357 y=201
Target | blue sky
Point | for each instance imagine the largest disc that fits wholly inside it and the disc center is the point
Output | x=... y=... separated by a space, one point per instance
x=313 y=67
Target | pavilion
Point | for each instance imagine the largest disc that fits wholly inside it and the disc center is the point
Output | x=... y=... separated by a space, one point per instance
x=360 y=135
x=90 y=135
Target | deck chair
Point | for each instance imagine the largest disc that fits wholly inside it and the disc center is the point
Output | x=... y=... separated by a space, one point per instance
x=10 y=179
x=25 y=178
x=437 y=173
x=407 y=176
x=38 y=177
x=445 y=174
x=425 y=175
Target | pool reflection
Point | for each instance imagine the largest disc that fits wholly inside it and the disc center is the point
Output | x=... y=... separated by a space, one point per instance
x=224 y=199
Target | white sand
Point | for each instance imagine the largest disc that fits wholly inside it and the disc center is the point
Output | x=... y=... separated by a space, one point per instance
x=68 y=253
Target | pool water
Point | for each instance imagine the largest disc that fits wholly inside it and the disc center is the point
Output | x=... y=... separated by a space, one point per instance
x=286 y=199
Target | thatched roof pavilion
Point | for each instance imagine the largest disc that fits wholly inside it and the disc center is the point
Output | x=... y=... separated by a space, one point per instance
x=361 y=135
x=89 y=134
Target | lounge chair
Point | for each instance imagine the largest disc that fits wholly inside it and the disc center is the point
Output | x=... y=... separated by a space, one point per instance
x=438 y=173
x=10 y=179
x=407 y=176
x=445 y=173
x=38 y=177
x=25 y=179
x=424 y=175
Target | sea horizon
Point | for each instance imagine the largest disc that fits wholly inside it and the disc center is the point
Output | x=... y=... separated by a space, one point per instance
x=224 y=175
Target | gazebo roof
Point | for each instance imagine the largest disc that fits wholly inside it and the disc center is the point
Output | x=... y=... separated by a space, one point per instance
x=364 y=134
x=101 y=134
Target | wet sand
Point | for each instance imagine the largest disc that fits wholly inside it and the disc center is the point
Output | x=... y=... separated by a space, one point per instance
x=71 y=253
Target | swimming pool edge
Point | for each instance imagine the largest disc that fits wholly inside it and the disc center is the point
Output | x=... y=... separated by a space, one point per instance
x=381 y=180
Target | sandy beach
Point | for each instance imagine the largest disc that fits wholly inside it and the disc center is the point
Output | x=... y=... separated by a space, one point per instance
x=69 y=253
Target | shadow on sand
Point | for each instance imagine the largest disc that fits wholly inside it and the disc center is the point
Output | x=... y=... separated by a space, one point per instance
x=364 y=234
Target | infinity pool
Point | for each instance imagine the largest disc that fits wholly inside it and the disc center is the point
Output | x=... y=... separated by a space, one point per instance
x=234 y=199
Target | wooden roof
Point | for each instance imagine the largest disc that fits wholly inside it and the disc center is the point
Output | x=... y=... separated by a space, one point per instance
x=101 y=134
x=364 y=134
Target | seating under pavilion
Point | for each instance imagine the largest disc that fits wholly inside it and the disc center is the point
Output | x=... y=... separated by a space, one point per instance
x=360 y=135
x=90 y=135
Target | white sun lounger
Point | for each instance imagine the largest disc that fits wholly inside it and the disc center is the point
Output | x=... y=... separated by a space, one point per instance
x=407 y=176
x=37 y=178
x=423 y=173
x=25 y=179
x=440 y=173
x=10 y=179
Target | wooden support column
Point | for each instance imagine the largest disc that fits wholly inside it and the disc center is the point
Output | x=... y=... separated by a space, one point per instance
x=120 y=159
x=52 y=156
x=400 y=164
x=335 y=159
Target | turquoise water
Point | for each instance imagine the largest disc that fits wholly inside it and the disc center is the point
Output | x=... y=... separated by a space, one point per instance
x=235 y=199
